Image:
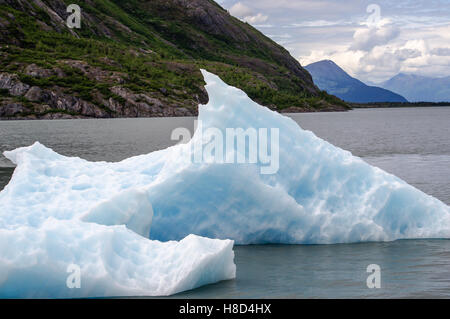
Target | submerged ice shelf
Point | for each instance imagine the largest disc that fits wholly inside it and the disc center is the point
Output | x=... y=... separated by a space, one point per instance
x=59 y=210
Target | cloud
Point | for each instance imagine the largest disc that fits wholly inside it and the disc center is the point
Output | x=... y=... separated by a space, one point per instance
x=348 y=60
x=405 y=54
x=411 y=36
x=366 y=39
x=382 y=61
x=246 y=14
x=240 y=10
x=259 y=18
x=306 y=6
x=264 y=26
x=320 y=23
x=385 y=61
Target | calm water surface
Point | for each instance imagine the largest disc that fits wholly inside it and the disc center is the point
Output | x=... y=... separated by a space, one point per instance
x=412 y=143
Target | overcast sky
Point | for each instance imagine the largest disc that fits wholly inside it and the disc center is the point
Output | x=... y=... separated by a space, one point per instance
x=409 y=36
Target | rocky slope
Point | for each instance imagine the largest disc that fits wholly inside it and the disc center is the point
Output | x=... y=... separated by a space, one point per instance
x=139 y=58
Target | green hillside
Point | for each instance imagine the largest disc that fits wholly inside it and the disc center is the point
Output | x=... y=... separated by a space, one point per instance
x=139 y=58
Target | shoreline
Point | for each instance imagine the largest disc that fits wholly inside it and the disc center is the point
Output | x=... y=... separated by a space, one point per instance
x=64 y=116
x=397 y=105
x=293 y=110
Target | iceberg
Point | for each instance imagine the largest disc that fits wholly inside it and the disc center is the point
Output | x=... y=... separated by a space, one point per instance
x=142 y=226
x=36 y=262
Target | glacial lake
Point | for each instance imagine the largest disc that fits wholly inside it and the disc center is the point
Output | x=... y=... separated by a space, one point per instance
x=412 y=143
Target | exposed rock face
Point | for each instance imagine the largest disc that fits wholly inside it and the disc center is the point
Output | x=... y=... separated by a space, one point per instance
x=45 y=103
x=11 y=109
x=138 y=59
x=36 y=71
x=12 y=84
x=34 y=94
x=48 y=101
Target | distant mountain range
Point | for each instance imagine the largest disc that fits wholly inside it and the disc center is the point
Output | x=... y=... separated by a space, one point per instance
x=418 y=88
x=328 y=76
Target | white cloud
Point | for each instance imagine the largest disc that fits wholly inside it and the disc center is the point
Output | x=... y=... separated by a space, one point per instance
x=367 y=38
x=280 y=36
x=264 y=25
x=259 y=18
x=240 y=10
x=405 y=54
x=307 y=6
x=246 y=14
x=348 y=60
x=384 y=61
x=320 y=23
x=410 y=36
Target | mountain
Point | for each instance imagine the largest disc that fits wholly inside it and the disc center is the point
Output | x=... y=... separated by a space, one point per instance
x=418 y=88
x=330 y=77
x=139 y=58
